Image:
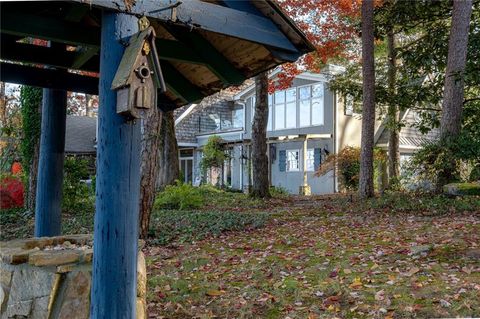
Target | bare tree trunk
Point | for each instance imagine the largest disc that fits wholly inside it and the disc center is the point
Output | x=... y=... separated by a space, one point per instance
x=393 y=114
x=149 y=167
x=368 y=111
x=3 y=105
x=32 y=177
x=453 y=94
x=454 y=77
x=260 y=187
x=168 y=152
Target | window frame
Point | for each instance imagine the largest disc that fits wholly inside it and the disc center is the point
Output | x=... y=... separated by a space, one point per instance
x=287 y=161
x=309 y=168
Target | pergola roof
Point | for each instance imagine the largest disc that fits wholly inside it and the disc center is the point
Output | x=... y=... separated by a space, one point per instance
x=204 y=46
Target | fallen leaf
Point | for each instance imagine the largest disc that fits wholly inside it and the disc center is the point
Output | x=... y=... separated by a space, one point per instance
x=347 y=271
x=412 y=271
x=215 y=293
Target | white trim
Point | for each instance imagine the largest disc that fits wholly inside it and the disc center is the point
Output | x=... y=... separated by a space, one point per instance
x=404 y=147
x=184 y=114
x=188 y=144
x=231 y=132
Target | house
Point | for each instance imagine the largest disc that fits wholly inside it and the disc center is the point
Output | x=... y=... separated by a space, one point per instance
x=81 y=136
x=306 y=122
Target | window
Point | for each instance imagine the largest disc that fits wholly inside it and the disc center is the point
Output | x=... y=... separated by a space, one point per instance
x=348 y=104
x=293 y=161
x=310 y=160
x=311 y=105
x=317 y=104
x=270 y=112
x=291 y=109
x=279 y=110
x=237 y=116
x=251 y=101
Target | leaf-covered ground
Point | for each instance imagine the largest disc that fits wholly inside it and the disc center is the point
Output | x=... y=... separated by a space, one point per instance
x=327 y=257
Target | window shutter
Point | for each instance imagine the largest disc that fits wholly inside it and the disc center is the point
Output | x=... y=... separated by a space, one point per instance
x=282 y=160
x=317 y=158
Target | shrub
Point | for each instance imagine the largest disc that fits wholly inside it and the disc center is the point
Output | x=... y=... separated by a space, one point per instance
x=75 y=192
x=11 y=192
x=179 y=196
x=168 y=225
x=278 y=191
x=347 y=162
x=456 y=159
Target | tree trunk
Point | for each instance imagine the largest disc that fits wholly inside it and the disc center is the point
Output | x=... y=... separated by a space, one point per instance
x=32 y=176
x=149 y=167
x=454 y=76
x=368 y=111
x=393 y=114
x=260 y=187
x=168 y=152
x=453 y=93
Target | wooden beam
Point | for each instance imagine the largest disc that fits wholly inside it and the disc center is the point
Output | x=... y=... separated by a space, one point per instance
x=179 y=85
x=56 y=57
x=48 y=78
x=29 y=25
x=209 y=17
x=247 y=6
x=48 y=205
x=172 y=50
x=113 y=293
x=216 y=62
x=83 y=56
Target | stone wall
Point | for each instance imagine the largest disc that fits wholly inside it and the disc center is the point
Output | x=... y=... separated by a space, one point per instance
x=50 y=278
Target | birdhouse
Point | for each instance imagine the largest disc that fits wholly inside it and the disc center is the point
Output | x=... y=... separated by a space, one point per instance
x=139 y=76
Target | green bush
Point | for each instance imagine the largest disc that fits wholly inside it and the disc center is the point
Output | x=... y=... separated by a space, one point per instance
x=179 y=196
x=77 y=195
x=169 y=225
x=278 y=191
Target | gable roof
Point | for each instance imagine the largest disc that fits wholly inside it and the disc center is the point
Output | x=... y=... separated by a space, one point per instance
x=80 y=135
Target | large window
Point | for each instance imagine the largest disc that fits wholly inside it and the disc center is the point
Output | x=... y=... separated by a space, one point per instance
x=293 y=159
x=311 y=105
x=295 y=107
x=237 y=116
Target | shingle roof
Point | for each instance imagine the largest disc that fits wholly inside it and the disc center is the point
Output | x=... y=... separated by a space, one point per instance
x=80 y=135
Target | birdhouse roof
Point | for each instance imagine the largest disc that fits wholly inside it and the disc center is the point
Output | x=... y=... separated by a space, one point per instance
x=132 y=52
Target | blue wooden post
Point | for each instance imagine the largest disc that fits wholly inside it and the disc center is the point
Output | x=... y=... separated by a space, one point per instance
x=118 y=185
x=48 y=206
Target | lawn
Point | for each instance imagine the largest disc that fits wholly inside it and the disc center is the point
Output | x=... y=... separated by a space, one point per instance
x=401 y=256
x=397 y=256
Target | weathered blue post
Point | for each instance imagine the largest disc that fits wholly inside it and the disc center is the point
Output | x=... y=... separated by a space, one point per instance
x=118 y=185
x=48 y=206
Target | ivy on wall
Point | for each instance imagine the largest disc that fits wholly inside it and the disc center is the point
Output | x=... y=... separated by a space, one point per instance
x=30 y=101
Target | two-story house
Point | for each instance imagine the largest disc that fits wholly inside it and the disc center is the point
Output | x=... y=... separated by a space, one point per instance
x=306 y=122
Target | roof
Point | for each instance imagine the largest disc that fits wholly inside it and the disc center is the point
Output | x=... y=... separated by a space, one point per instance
x=80 y=135
x=203 y=46
x=410 y=136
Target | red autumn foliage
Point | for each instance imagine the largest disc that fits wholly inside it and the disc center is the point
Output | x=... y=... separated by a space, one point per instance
x=329 y=25
x=11 y=192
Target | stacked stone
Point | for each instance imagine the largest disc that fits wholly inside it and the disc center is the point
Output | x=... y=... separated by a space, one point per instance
x=50 y=277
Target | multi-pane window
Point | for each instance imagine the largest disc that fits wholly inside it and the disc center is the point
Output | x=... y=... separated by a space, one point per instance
x=279 y=110
x=295 y=107
x=311 y=105
x=293 y=161
x=310 y=160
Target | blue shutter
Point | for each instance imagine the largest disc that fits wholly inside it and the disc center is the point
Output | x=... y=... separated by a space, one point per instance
x=317 y=158
x=282 y=161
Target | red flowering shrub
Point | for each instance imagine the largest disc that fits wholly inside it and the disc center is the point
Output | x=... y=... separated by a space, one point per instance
x=11 y=192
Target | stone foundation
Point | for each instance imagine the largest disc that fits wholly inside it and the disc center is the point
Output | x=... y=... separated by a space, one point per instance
x=50 y=278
